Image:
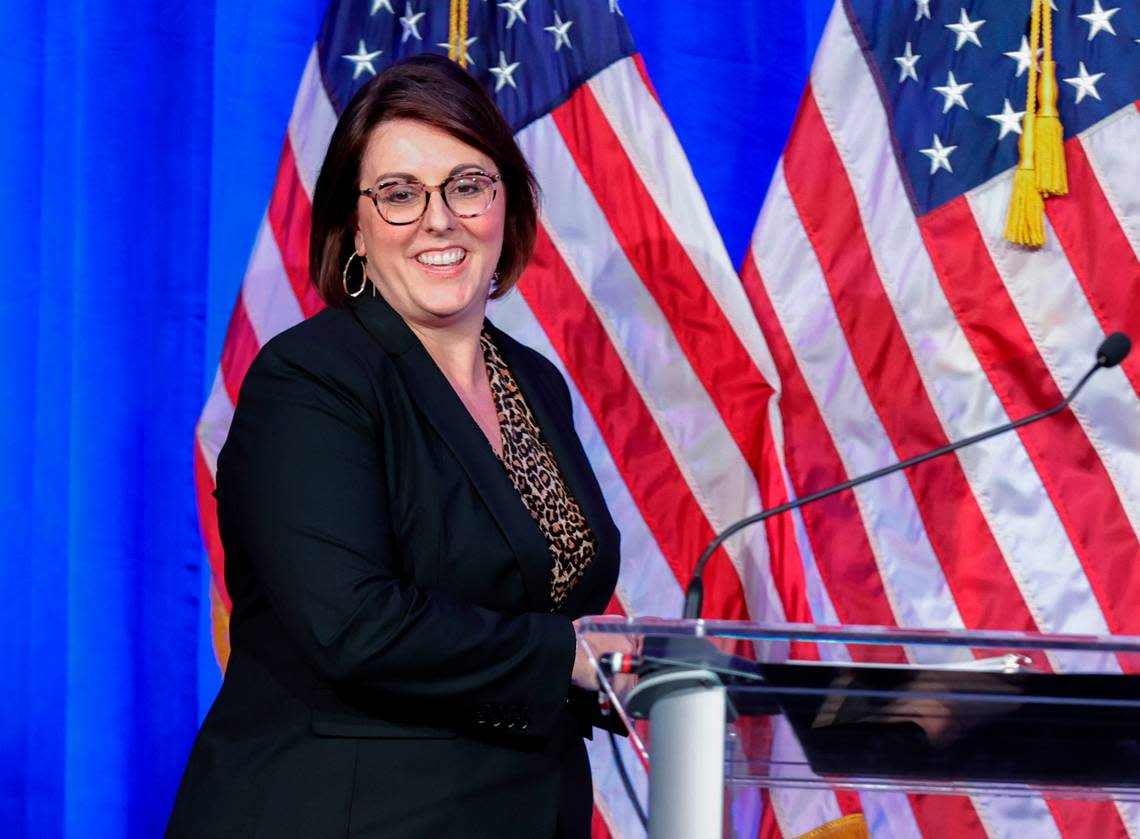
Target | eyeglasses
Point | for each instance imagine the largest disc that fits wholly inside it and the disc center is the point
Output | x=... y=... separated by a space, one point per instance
x=467 y=195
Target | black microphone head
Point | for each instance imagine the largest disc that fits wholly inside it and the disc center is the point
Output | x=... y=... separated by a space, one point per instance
x=1113 y=350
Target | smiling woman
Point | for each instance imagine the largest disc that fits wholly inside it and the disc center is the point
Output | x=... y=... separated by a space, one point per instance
x=410 y=523
x=464 y=119
x=437 y=272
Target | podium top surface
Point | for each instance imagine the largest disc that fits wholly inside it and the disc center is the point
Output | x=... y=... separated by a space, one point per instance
x=884 y=646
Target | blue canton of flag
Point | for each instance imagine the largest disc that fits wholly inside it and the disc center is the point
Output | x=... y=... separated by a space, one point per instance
x=530 y=56
x=954 y=75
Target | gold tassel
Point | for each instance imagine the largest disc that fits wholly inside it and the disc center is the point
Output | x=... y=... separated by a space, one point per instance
x=848 y=827
x=1049 y=151
x=1025 y=222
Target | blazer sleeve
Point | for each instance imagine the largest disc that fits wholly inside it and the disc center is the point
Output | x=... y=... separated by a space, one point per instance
x=301 y=492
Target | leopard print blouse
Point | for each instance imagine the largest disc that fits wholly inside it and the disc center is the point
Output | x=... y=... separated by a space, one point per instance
x=531 y=466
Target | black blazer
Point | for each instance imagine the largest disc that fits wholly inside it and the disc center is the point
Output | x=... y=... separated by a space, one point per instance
x=396 y=667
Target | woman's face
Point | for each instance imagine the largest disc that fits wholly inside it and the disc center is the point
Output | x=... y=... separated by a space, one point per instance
x=404 y=261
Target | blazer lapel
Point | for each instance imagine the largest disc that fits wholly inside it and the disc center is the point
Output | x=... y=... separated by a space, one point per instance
x=439 y=404
x=545 y=399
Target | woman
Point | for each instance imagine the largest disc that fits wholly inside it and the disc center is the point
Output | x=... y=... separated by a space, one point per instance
x=409 y=519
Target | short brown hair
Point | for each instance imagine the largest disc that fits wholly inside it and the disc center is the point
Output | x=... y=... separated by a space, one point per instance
x=433 y=90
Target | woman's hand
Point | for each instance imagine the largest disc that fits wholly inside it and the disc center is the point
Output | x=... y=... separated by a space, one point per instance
x=584 y=674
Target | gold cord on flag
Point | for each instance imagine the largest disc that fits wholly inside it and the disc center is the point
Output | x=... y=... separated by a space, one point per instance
x=1041 y=170
x=457 y=33
x=853 y=826
x=1025 y=223
x=1049 y=155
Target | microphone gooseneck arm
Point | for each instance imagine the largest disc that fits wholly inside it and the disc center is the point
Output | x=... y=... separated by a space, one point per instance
x=1110 y=353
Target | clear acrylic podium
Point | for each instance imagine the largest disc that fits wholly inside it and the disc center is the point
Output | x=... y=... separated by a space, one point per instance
x=733 y=705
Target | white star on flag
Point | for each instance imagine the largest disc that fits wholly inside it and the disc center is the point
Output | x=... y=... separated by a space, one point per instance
x=1008 y=119
x=952 y=93
x=1022 y=56
x=410 y=23
x=466 y=52
x=1099 y=19
x=362 y=60
x=560 y=30
x=515 y=10
x=921 y=9
x=907 y=62
x=377 y=5
x=939 y=155
x=1085 y=83
x=966 y=30
x=504 y=73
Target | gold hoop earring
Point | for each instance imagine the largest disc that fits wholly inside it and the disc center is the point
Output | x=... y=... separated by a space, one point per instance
x=363 y=276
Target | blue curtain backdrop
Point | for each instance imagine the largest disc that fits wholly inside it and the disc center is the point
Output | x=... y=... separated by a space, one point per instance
x=138 y=148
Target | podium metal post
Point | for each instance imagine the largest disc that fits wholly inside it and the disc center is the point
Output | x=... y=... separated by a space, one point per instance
x=686 y=753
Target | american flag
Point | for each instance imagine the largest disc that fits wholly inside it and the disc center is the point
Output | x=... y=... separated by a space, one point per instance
x=899 y=319
x=872 y=323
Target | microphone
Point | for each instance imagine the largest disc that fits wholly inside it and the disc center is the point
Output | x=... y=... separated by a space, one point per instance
x=1110 y=353
x=1113 y=350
